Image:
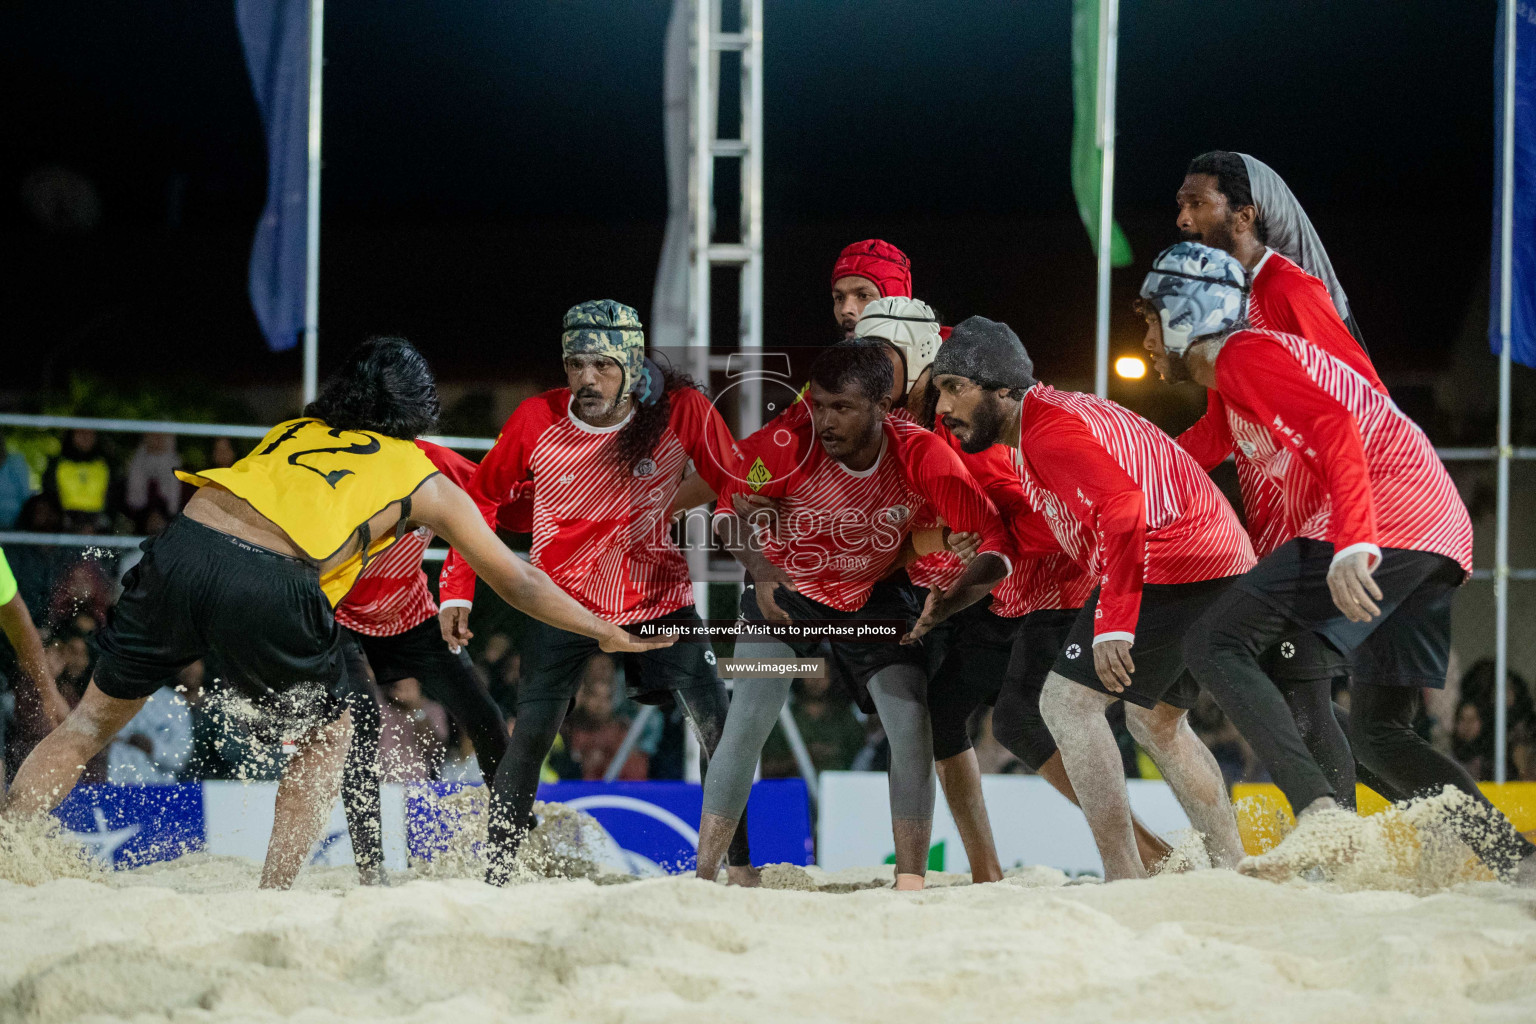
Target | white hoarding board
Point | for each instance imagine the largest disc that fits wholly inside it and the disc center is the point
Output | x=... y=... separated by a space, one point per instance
x=238 y=818
x=1031 y=823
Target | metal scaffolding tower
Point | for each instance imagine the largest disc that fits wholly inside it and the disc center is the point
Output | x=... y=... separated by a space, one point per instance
x=725 y=135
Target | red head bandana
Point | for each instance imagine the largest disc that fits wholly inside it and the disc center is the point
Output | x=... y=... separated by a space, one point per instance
x=878 y=261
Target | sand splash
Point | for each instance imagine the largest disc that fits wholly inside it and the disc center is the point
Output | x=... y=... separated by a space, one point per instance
x=564 y=845
x=1421 y=846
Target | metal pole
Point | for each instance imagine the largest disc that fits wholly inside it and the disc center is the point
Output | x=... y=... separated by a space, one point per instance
x=1109 y=43
x=312 y=203
x=703 y=171
x=802 y=755
x=1506 y=297
x=752 y=209
x=632 y=737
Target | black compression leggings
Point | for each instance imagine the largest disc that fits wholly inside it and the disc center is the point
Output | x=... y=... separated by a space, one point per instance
x=1313 y=711
x=517 y=779
x=360 y=776
x=1384 y=740
x=1222 y=651
x=446 y=678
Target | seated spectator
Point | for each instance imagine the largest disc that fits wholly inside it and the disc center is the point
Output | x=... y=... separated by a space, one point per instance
x=1472 y=740
x=81 y=480
x=150 y=486
x=155 y=745
x=84 y=591
x=594 y=731
x=15 y=485
x=415 y=734
x=832 y=735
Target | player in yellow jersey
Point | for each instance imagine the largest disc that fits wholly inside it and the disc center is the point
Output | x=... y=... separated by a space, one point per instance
x=252 y=568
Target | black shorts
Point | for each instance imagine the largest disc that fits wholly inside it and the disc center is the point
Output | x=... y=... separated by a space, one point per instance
x=1168 y=610
x=553 y=662
x=419 y=653
x=198 y=592
x=1408 y=644
x=1303 y=657
x=892 y=599
x=1036 y=646
x=976 y=645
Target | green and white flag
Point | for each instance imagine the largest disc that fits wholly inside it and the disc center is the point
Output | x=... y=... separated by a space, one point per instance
x=1087 y=157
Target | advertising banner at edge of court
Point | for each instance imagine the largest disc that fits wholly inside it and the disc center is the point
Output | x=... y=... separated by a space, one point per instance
x=645 y=828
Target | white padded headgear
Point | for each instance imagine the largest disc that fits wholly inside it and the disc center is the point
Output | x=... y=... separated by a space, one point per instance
x=909 y=324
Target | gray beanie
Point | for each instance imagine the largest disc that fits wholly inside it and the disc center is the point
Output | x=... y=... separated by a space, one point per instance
x=987 y=352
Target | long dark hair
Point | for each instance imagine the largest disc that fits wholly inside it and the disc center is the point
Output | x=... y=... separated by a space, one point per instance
x=639 y=437
x=384 y=386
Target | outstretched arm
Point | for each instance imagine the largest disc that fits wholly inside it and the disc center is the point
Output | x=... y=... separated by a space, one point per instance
x=453 y=515
x=16 y=621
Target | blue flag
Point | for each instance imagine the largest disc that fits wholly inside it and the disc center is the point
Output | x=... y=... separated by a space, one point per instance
x=275 y=35
x=1522 y=321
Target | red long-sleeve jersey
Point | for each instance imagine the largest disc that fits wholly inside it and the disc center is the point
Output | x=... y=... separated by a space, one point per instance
x=838 y=532
x=391 y=594
x=1126 y=502
x=1043 y=576
x=601 y=533
x=1351 y=468
x=1287 y=299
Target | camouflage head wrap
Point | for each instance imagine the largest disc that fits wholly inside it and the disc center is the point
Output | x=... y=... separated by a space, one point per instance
x=603 y=327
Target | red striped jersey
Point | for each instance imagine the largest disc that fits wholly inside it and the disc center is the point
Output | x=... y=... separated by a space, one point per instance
x=1127 y=503
x=1284 y=298
x=600 y=532
x=837 y=531
x=391 y=594
x=1043 y=576
x=1351 y=468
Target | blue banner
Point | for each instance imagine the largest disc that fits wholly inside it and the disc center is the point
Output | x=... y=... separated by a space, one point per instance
x=643 y=828
x=1522 y=336
x=653 y=826
x=275 y=35
x=131 y=825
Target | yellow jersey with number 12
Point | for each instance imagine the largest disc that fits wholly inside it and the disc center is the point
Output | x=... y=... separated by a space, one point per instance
x=321 y=485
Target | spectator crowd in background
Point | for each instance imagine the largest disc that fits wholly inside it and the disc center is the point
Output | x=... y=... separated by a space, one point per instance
x=79 y=484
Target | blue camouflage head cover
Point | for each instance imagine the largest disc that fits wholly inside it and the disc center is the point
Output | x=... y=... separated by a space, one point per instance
x=1197 y=290
x=603 y=327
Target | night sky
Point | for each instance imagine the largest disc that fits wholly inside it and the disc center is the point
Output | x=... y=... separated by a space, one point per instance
x=488 y=164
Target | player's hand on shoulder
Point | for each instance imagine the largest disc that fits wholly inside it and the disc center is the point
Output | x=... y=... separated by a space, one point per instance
x=1353 y=589
x=1112 y=661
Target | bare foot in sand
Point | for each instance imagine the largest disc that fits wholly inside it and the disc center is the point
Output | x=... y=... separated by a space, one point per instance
x=1326 y=836
x=908 y=883
x=746 y=876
